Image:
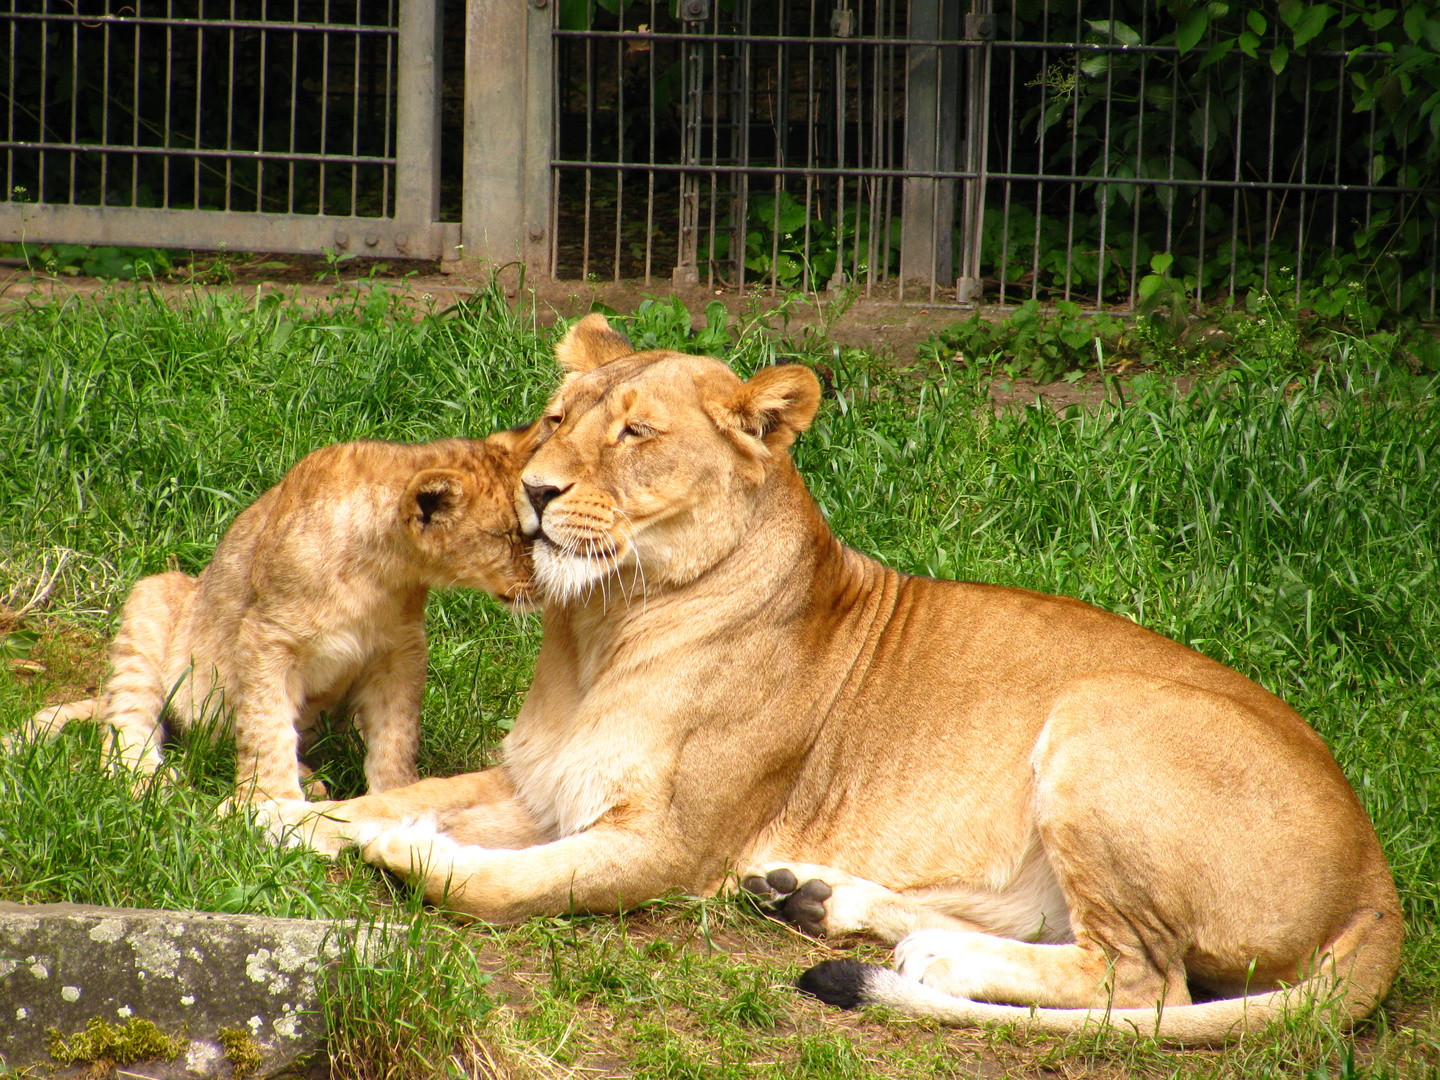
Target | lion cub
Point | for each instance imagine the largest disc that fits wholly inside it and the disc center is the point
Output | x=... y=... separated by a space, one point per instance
x=316 y=595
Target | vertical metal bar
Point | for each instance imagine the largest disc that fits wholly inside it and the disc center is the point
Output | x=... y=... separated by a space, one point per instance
x=199 y=109
x=1269 y=179
x=837 y=276
x=1174 y=193
x=1339 y=126
x=1105 y=192
x=1074 y=161
x=1235 y=193
x=589 y=142
x=104 y=105
x=1009 y=166
x=74 y=103
x=354 y=112
x=650 y=182
x=391 y=173
x=167 y=161
x=620 y=140
x=294 y=100
x=135 y=121
x=44 y=85
x=807 y=278
x=1204 y=196
x=1137 y=191
x=324 y=100
x=741 y=127
x=1300 y=217
x=1040 y=154
x=737 y=225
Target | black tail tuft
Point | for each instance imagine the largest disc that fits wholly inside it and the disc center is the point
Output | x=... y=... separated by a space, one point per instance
x=836 y=982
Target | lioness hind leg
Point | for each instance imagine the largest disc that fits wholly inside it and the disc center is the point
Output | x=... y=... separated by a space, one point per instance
x=983 y=967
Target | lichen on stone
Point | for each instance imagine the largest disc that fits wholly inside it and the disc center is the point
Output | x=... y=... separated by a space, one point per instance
x=114 y=1044
x=242 y=1051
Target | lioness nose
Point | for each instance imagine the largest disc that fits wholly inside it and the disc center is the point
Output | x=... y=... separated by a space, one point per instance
x=540 y=495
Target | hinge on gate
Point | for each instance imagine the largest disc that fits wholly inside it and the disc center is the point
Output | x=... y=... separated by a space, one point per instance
x=842 y=23
x=694 y=10
x=981 y=28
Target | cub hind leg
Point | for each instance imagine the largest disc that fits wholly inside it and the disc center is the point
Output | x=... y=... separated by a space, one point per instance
x=138 y=686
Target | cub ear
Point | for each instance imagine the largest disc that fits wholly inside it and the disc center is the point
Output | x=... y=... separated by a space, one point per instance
x=433 y=499
x=776 y=405
x=514 y=442
x=590 y=344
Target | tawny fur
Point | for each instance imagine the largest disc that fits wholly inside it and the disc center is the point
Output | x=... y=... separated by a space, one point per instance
x=315 y=598
x=1068 y=812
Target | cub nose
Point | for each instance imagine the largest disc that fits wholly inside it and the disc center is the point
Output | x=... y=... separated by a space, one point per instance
x=540 y=495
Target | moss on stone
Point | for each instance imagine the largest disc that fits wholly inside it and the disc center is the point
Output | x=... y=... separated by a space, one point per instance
x=242 y=1051
x=117 y=1044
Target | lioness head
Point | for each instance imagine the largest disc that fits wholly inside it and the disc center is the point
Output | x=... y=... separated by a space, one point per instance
x=651 y=462
x=461 y=516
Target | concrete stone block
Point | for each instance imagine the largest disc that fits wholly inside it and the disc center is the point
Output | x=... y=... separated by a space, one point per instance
x=190 y=973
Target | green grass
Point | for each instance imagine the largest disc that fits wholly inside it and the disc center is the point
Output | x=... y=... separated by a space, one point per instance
x=1281 y=521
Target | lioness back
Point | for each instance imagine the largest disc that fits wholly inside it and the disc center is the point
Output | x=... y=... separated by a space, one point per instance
x=315 y=596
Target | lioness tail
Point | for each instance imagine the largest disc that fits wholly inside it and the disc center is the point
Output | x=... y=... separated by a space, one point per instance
x=1352 y=981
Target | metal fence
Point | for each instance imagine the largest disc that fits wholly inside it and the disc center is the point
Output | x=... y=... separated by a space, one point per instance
x=273 y=125
x=935 y=150
x=925 y=150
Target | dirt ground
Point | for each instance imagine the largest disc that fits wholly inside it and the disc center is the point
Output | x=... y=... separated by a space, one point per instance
x=880 y=320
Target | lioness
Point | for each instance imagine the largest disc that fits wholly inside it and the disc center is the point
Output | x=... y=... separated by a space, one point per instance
x=316 y=595
x=1060 y=816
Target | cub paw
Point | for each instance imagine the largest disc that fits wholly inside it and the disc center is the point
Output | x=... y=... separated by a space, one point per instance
x=785 y=898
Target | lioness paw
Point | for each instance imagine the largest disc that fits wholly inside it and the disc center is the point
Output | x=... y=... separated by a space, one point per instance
x=786 y=899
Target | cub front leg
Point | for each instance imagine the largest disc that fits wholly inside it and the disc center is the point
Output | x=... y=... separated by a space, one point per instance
x=387 y=699
x=267 y=750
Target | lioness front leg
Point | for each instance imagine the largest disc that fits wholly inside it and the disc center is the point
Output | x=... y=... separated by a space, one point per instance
x=603 y=869
x=822 y=901
x=473 y=808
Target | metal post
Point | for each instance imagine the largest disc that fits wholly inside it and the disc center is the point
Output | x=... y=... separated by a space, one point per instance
x=980 y=25
x=417 y=136
x=931 y=89
x=508 y=97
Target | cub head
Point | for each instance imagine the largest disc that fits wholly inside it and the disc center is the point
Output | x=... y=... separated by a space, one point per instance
x=650 y=464
x=460 y=515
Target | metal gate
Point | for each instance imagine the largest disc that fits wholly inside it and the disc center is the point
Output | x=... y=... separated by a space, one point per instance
x=260 y=125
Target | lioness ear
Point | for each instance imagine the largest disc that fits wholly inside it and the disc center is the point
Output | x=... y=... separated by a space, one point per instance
x=433 y=499
x=590 y=344
x=777 y=404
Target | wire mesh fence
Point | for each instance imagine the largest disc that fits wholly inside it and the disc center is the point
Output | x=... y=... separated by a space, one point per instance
x=921 y=150
x=935 y=150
